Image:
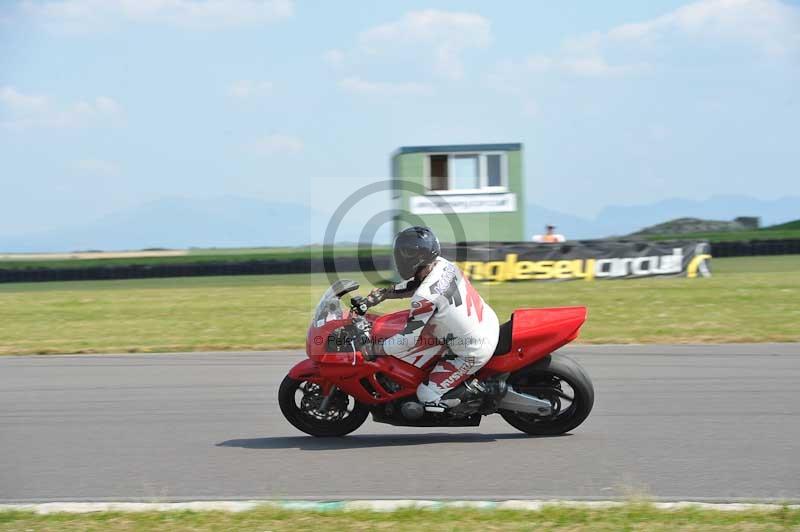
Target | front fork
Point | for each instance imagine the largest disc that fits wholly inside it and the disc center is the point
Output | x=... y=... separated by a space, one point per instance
x=326 y=402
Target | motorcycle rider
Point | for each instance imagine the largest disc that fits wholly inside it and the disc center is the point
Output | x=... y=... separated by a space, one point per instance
x=443 y=303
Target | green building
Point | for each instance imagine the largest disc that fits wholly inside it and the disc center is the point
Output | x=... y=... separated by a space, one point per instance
x=477 y=187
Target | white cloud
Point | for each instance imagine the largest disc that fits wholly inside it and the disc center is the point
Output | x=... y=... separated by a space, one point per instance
x=334 y=57
x=87 y=15
x=19 y=102
x=26 y=111
x=717 y=34
x=445 y=34
x=530 y=108
x=770 y=25
x=357 y=85
x=246 y=88
x=277 y=144
x=97 y=167
x=593 y=65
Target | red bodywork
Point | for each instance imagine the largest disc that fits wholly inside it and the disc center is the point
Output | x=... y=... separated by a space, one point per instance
x=535 y=334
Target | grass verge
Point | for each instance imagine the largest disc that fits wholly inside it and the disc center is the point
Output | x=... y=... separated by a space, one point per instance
x=753 y=299
x=628 y=517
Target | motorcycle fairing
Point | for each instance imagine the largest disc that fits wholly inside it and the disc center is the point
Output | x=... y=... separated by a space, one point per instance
x=535 y=334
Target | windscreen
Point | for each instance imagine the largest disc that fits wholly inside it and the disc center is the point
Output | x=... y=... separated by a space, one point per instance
x=329 y=308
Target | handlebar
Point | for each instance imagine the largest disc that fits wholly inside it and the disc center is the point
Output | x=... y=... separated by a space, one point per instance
x=361 y=304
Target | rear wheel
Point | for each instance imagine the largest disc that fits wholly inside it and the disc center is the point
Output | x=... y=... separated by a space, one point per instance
x=300 y=402
x=564 y=383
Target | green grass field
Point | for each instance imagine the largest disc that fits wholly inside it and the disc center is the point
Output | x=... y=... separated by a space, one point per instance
x=629 y=517
x=747 y=300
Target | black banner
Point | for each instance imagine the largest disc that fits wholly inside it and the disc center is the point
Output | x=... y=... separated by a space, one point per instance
x=589 y=260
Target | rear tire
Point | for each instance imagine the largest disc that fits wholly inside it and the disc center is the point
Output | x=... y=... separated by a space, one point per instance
x=300 y=399
x=546 y=379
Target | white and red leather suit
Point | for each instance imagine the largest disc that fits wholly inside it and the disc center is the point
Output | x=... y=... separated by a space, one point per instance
x=457 y=322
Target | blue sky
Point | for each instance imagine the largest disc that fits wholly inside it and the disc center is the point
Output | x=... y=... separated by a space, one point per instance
x=106 y=105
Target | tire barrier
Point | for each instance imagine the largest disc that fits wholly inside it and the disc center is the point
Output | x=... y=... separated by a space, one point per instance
x=199 y=269
x=315 y=265
x=750 y=248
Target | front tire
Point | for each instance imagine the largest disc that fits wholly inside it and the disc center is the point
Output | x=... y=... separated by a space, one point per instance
x=561 y=380
x=300 y=400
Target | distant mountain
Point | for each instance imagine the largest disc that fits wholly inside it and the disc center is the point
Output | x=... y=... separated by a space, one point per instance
x=794 y=224
x=242 y=222
x=617 y=220
x=181 y=223
x=680 y=226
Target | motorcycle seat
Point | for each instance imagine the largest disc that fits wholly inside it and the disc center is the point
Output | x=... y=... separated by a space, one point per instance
x=504 y=338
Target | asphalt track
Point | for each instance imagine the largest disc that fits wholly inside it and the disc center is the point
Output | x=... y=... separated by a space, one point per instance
x=670 y=422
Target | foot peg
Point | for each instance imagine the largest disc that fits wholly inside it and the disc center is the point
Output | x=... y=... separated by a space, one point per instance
x=442 y=405
x=412 y=410
x=475 y=387
x=450 y=403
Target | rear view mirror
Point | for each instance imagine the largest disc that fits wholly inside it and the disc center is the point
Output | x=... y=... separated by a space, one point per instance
x=344 y=286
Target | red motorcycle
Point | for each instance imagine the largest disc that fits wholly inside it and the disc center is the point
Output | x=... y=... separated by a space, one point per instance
x=333 y=391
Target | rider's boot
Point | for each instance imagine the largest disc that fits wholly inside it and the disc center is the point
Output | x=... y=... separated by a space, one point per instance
x=433 y=402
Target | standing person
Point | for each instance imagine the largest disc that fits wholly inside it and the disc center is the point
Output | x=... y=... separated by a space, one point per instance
x=549 y=236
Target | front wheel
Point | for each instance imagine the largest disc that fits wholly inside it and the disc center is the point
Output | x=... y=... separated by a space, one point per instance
x=563 y=382
x=300 y=403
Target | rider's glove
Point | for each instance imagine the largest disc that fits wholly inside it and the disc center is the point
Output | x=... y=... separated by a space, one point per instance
x=376 y=296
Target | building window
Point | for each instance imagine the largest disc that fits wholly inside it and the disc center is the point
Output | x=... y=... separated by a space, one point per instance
x=494 y=170
x=467 y=172
x=438 y=172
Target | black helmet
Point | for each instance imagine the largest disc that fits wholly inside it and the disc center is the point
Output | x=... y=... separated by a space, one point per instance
x=414 y=248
